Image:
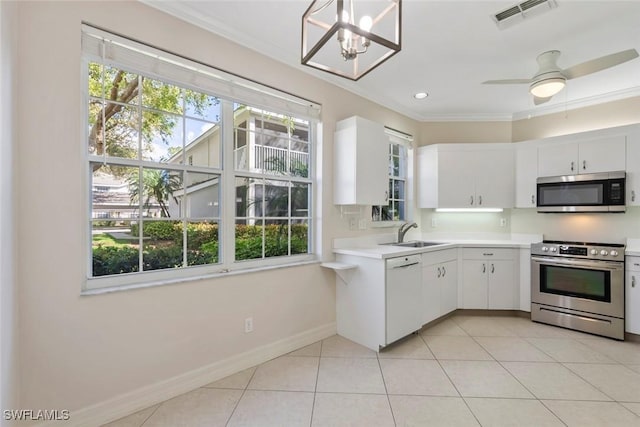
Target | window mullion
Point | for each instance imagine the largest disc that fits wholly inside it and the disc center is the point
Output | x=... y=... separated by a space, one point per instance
x=227 y=226
x=140 y=180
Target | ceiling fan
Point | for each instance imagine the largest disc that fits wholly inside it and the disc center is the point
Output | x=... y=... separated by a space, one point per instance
x=550 y=79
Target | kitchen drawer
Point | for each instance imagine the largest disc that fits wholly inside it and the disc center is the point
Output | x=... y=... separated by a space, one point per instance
x=437 y=257
x=632 y=263
x=488 y=253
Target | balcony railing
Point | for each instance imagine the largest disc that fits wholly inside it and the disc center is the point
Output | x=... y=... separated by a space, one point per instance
x=271 y=159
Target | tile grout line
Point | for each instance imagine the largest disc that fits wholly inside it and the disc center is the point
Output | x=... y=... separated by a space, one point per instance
x=589 y=382
x=551 y=410
x=151 y=414
x=517 y=380
x=452 y=383
x=555 y=360
x=563 y=364
x=241 y=396
x=315 y=389
x=562 y=338
x=386 y=392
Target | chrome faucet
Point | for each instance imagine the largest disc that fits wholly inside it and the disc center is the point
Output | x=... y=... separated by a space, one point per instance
x=403 y=230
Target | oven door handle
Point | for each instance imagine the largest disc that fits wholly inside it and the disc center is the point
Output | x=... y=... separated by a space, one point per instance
x=584 y=263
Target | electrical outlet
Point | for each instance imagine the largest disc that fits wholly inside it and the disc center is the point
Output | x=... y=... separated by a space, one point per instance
x=434 y=223
x=503 y=222
x=353 y=223
x=248 y=325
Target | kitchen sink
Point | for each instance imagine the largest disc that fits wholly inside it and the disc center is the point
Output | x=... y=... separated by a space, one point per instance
x=415 y=244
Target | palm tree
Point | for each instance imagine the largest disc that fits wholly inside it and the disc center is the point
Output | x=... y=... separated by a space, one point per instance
x=157 y=185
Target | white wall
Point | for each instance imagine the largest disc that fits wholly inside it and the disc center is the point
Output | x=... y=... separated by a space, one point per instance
x=80 y=351
x=463 y=222
x=611 y=114
x=8 y=290
x=591 y=227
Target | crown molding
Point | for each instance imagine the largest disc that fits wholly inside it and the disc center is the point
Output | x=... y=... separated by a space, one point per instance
x=578 y=103
x=185 y=12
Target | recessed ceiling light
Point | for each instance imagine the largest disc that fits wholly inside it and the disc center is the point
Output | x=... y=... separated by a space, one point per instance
x=421 y=95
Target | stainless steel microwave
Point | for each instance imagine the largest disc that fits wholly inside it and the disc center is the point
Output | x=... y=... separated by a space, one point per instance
x=597 y=192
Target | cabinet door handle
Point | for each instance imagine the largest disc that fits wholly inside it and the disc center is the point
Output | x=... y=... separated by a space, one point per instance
x=471 y=200
x=493 y=268
x=572 y=166
x=484 y=268
x=386 y=195
x=444 y=271
x=633 y=281
x=533 y=200
x=439 y=272
x=488 y=254
x=584 y=165
x=479 y=200
x=633 y=195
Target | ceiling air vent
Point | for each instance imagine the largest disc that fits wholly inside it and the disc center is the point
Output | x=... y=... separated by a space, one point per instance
x=518 y=12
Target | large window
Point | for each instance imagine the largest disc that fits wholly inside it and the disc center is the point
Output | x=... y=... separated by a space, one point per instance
x=272 y=182
x=185 y=182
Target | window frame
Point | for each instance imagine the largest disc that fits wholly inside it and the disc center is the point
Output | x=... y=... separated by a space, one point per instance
x=406 y=141
x=227 y=174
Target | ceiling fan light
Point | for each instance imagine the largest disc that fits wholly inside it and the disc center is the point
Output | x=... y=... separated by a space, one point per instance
x=547 y=88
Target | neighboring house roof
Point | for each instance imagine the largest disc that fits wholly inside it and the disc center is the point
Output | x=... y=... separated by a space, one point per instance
x=117 y=196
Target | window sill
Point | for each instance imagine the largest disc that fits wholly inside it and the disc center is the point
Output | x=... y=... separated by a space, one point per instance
x=172 y=281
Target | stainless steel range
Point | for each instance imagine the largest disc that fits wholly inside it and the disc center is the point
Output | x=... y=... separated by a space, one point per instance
x=579 y=286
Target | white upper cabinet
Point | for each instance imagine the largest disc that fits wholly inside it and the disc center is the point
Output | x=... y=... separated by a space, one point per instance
x=558 y=159
x=361 y=163
x=526 y=174
x=494 y=178
x=466 y=176
x=603 y=154
x=455 y=180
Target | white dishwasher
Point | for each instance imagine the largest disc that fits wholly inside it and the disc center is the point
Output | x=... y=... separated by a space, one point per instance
x=403 y=296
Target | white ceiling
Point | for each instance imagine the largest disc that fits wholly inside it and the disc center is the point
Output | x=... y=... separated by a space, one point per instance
x=448 y=48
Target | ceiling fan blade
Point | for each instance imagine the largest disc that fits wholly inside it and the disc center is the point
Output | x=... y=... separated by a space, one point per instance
x=506 y=82
x=537 y=100
x=600 y=64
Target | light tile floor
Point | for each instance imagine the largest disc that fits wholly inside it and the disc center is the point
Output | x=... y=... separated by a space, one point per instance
x=464 y=371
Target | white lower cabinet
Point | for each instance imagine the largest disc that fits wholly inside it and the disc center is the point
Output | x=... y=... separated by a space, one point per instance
x=632 y=295
x=449 y=287
x=377 y=304
x=439 y=283
x=490 y=279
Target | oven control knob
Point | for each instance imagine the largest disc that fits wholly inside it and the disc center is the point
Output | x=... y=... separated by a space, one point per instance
x=614 y=253
x=594 y=252
x=553 y=249
x=604 y=253
x=545 y=249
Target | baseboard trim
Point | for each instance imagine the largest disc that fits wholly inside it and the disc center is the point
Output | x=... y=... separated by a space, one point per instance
x=136 y=400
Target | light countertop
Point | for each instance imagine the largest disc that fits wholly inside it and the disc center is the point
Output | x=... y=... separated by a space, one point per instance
x=371 y=249
x=632 y=247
